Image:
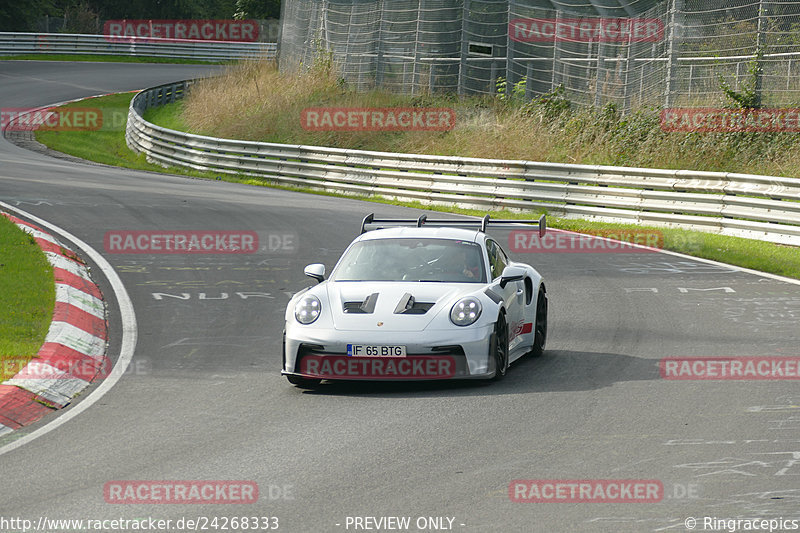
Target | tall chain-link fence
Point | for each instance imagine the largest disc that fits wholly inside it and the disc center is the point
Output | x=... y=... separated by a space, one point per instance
x=632 y=53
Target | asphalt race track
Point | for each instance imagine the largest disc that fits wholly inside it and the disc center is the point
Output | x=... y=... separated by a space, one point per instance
x=204 y=399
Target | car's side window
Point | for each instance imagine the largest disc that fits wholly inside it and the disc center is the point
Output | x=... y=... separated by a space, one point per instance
x=503 y=257
x=497 y=260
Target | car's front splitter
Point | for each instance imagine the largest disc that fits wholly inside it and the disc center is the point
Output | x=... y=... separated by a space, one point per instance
x=447 y=354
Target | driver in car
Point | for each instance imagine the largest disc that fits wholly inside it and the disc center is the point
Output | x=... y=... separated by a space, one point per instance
x=462 y=265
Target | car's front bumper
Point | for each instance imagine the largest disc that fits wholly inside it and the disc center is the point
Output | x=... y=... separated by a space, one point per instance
x=461 y=353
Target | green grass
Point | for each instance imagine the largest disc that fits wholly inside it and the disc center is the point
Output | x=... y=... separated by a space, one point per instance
x=109 y=147
x=168 y=116
x=28 y=296
x=106 y=146
x=103 y=59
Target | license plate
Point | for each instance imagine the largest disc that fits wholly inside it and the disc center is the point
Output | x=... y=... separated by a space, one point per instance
x=369 y=350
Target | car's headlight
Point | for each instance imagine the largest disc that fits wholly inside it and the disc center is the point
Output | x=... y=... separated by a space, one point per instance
x=466 y=311
x=307 y=309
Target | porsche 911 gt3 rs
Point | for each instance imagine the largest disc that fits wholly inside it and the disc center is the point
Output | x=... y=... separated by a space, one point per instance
x=416 y=299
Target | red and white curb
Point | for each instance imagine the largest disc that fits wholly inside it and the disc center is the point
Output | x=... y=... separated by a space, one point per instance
x=73 y=353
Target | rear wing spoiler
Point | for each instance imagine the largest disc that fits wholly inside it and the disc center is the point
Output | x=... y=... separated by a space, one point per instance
x=481 y=223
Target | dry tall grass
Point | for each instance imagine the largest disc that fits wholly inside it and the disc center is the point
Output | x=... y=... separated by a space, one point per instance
x=253 y=101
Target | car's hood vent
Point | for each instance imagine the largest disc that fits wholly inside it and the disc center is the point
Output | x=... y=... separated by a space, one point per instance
x=365 y=307
x=390 y=306
x=409 y=306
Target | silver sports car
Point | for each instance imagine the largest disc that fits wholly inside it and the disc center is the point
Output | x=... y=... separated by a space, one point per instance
x=416 y=299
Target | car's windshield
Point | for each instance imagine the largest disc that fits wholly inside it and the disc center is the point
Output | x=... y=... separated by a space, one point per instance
x=442 y=260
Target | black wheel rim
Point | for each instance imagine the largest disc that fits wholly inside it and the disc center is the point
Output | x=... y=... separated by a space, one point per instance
x=541 y=321
x=501 y=350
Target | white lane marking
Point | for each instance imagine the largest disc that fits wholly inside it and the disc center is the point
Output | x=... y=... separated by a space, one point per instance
x=701 y=260
x=129 y=333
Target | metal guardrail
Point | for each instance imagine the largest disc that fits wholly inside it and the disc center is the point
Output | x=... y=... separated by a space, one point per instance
x=759 y=207
x=67 y=43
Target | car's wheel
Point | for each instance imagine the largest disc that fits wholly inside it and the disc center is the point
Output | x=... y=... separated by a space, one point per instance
x=499 y=347
x=303 y=383
x=540 y=337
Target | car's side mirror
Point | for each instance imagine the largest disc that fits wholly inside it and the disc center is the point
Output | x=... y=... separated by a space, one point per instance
x=511 y=273
x=316 y=271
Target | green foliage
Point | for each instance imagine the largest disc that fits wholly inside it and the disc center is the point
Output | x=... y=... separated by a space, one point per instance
x=81 y=18
x=551 y=104
x=82 y=15
x=517 y=91
x=749 y=96
x=609 y=116
x=500 y=88
x=257 y=9
x=21 y=15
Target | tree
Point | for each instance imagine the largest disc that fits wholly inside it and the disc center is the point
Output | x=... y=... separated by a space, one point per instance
x=257 y=9
x=22 y=16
